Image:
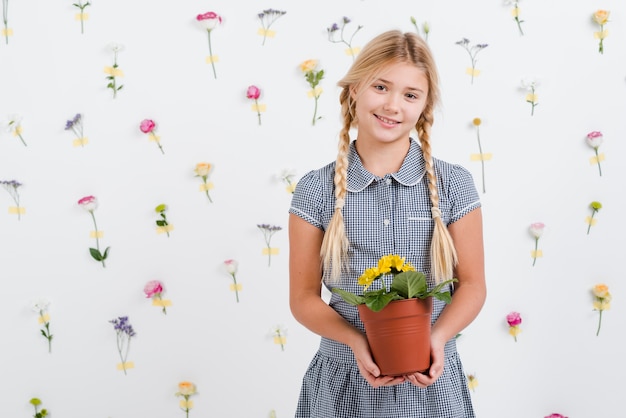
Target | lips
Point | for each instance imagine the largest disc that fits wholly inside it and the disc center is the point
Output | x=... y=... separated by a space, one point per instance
x=386 y=120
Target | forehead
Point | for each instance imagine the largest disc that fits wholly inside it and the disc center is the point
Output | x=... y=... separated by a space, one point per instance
x=405 y=75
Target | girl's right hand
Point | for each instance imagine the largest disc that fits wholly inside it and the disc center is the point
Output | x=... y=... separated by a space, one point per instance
x=368 y=369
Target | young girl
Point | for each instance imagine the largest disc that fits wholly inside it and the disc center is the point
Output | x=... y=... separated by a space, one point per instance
x=385 y=194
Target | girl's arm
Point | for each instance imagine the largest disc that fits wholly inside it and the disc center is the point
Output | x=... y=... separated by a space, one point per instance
x=308 y=307
x=469 y=293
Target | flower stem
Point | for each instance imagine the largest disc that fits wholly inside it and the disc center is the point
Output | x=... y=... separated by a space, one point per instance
x=211 y=54
x=598 y=158
x=599 y=323
x=536 y=246
x=258 y=111
x=21 y=138
x=158 y=142
x=315 y=110
x=482 y=160
x=206 y=189
x=95 y=226
x=236 y=290
x=590 y=221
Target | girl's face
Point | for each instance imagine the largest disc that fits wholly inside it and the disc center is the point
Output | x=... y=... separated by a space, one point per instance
x=388 y=108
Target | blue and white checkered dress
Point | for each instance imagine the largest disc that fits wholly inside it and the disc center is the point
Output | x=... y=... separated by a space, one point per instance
x=389 y=215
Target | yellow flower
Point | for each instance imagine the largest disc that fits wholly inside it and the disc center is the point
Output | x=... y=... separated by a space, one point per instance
x=472 y=382
x=601 y=17
x=385 y=264
x=476 y=121
x=203 y=169
x=601 y=291
x=308 y=65
x=368 y=277
x=186 y=389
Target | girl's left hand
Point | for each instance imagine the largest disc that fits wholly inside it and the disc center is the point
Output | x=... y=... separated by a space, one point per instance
x=429 y=377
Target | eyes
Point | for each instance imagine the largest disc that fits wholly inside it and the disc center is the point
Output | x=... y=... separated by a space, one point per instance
x=410 y=95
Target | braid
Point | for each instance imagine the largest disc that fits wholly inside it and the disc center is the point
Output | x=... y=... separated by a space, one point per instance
x=335 y=243
x=443 y=256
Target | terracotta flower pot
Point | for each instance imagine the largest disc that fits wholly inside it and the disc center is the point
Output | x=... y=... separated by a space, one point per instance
x=399 y=335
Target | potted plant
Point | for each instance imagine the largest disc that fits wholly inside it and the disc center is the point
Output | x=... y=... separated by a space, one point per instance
x=397 y=319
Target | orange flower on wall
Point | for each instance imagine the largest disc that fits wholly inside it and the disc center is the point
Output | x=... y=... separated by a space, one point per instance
x=186 y=390
x=601 y=17
x=203 y=170
x=601 y=301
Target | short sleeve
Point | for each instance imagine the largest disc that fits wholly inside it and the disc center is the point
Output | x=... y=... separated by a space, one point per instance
x=462 y=193
x=308 y=198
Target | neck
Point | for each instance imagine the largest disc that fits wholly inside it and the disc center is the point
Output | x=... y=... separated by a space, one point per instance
x=381 y=159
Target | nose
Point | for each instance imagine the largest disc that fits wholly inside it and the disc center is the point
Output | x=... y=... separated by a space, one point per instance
x=391 y=103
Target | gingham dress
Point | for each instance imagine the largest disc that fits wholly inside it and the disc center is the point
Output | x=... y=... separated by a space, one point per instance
x=388 y=215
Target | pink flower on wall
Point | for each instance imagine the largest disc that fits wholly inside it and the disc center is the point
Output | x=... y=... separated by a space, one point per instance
x=514 y=320
x=154 y=290
x=594 y=140
x=536 y=230
x=555 y=416
x=90 y=204
x=253 y=93
x=209 y=21
x=231 y=267
x=148 y=126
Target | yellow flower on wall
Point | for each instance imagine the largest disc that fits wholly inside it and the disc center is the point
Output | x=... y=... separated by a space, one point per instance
x=601 y=17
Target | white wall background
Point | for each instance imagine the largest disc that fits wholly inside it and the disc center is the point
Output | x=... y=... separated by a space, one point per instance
x=540 y=171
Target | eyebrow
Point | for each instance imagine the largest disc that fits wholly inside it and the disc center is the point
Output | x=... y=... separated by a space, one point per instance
x=382 y=80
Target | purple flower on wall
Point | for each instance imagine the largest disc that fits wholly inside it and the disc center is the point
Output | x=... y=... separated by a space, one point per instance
x=124 y=332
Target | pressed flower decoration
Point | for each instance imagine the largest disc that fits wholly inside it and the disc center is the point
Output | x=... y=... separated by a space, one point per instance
x=481 y=156
x=203 y=170
x=594 y=140
x=536 y=230
x=425 y=28
x=406 y=284
x=472 y=382
x=6 y=31
x=36 y=403
x=154 y=290
x=313 y=76
x=529 y=85
x=124 y=332
x=162 y=224
x=340 y=28
x=601 y=17
x=267 y=17
x=209 y=21
x=595 y=207
x=76 y=125
x=148 y=126
x=113 y=72
x=12 y=187
x=268 y=232
x=555 y=416
x=253 y=93
x=14 y=127
x=40 y=307
x=279 y=336
x=514 y=320
x=287 y=178
x=601 y=302
x=473 y=52
x=90 y=204
x=81 y=15
x=231 y=267
x=186 y=390
x=515 y=12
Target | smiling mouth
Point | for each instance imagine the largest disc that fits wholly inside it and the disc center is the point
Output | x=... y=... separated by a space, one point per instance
x=385 y=120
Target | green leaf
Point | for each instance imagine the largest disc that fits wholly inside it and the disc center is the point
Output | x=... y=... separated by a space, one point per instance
x=161 y=223
x=106 y=253
x=350 y=298
x=96 y=254
x=379 y=301
x=410 y=284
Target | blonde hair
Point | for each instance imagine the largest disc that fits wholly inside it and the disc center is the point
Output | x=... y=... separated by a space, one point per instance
x=386 y=49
